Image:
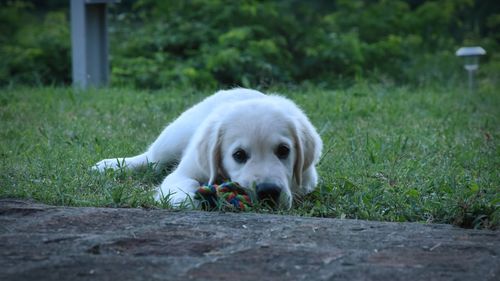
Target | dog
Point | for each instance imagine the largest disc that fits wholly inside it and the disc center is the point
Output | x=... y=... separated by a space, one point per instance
x=265 y=143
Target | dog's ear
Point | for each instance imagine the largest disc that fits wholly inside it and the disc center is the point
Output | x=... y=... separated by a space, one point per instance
x=208 y=150
x=308 y=148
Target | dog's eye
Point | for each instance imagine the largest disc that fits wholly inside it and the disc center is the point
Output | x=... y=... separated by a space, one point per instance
x=240 y=156
x=282 y=151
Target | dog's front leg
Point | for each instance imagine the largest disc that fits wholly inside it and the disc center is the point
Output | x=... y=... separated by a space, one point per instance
x=179 y=190
x=129 y=163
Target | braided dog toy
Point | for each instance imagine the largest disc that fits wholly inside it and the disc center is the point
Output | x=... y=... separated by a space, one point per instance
x=230 y=192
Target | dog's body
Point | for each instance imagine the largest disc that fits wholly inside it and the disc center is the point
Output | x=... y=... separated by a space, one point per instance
x=263 y=142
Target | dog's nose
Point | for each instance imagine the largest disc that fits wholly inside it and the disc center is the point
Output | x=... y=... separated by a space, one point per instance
x=268 y=193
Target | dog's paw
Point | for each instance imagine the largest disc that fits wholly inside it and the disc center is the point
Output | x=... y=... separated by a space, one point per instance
x=178 y=200
x=113 y=164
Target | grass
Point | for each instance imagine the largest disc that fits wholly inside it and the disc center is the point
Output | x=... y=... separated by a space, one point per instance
x=391 y=153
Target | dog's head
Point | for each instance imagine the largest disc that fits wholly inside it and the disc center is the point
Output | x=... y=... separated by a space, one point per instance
x=266 y=145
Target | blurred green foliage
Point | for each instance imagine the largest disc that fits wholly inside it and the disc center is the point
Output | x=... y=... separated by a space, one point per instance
x=34 y=45
x=212 y=43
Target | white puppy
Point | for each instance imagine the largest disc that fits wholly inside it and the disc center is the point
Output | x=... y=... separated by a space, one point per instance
x=263 y=142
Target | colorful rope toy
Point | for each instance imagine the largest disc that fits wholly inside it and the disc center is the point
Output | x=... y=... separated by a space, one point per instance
x=230 y=192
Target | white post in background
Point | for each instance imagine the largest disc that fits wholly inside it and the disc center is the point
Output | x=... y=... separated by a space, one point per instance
x=471 y=55
x=89 y=42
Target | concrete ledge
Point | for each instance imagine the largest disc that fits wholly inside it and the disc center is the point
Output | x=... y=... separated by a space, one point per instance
x=40 y=242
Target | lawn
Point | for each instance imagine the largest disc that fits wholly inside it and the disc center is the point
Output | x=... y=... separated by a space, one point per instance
x=391 y=153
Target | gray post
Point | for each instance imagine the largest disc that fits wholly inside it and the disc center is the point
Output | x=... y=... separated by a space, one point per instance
x=89 y=40
x=471 y=80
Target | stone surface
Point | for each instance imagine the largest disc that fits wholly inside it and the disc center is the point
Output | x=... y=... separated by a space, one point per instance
x=40 y=242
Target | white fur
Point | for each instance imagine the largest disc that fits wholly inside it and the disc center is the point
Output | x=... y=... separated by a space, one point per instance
x=203 y=139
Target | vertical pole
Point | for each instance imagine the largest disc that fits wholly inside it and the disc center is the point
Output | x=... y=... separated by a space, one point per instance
x=89 y=43
x=470 y=72
x=78 y=43
x=97 y=44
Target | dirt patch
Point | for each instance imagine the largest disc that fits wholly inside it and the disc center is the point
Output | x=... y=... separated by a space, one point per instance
x=40 y=242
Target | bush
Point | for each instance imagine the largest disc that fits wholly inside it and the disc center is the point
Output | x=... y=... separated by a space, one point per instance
x=224 y=43
x=31 y=52
x=221 y=43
